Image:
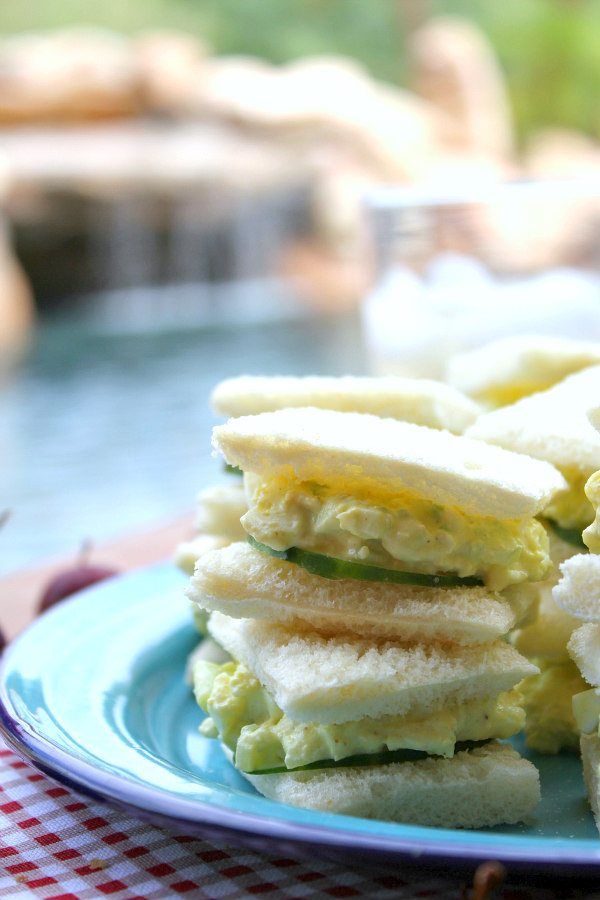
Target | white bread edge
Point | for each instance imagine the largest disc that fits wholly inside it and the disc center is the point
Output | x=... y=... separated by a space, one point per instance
x=418 y=400
x=244 y=583
x=344 y=678
x=478 y=788
x=444 y=468
x=578 y=591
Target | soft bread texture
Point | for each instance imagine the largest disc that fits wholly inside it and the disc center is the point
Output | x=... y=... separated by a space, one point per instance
x=244 y=583
x=552 y=425
x=389 y=456
x=523 y=364
x=417 y=400
x=188 y=553
x=476 y=789
x=594 y=417
x=340 y=679
x=578 y=591
x=584 y=650
x=590 y=757
x=220 y=509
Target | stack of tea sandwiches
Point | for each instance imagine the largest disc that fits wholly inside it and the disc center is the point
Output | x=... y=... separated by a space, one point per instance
x=362 y=621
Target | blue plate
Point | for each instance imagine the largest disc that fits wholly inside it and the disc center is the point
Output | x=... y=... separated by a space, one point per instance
x=94 y=694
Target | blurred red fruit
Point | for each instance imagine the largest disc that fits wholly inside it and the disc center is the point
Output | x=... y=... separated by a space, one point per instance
x=70 y=581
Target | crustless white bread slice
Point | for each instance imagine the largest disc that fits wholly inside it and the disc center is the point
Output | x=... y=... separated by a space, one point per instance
x=189 y=552
x=552 y=425
x=584 y=650
x=476 y=789
x=245 y=583
x=338 y=679
x=360 y=451
x=578 y=591
x=220 y=509
x=590 y=757
x=520 y=365
x=417 y=400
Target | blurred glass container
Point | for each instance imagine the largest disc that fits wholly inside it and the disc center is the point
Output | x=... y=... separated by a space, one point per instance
x=458 y=268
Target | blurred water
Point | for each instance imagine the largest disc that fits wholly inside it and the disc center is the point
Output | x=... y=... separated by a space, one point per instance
x=101 y=433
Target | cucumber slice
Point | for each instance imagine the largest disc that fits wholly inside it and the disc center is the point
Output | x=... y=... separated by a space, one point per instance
x=331 y=567
x=366 y=759
x=568 y=535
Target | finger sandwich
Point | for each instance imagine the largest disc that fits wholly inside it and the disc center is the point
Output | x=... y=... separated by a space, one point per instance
x=418 y=400
x=508 y=369
x=577 y=594
x=422 y=401
x=553 y=425
x=365 y=618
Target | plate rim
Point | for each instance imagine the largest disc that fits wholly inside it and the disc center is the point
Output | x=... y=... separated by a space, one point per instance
x=166 y=808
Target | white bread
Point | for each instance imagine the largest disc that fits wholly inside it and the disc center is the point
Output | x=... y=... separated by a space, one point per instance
x=418 y=400
x=519 y=365
x=390 y=456
x=220 y=509
x=594 y=417
x=590 y=757
x=552 y=425
x=344 y=678
x=244 y=583
x=187 y=553
x=479 y=788
x=584 y=650
x=578 y=591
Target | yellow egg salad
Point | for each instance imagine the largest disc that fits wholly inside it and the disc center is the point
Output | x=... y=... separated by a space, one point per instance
x=394 y=532
x=248 y=721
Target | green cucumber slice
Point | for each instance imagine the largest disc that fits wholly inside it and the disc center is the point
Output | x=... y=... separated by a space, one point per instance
x=366 y=759
x=568 y=535
x=332 y=567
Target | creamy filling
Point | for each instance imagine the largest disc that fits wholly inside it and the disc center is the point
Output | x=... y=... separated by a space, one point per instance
x=591 y=535
x=248 y=721
x=548 y=699
x=571 y=508
x=403 y=532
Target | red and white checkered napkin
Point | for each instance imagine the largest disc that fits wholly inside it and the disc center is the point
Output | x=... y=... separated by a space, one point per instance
x=57 y=846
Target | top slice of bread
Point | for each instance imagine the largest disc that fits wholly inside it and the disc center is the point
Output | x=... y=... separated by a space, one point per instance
x=339 y=679
x=352 y=450
x=244 y=583
x=552 y=425
x=417 y=400
x=526 y=363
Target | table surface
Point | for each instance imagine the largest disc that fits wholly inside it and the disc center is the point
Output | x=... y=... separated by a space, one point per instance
x=57 y=845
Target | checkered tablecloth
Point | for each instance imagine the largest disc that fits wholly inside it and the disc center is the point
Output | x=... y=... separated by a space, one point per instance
x=56 y=845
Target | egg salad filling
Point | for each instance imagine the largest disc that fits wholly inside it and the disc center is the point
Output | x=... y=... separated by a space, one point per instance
x=548 y=699
x=399 y=532
x=262 y=737
x=591 y=535
x=571 y=508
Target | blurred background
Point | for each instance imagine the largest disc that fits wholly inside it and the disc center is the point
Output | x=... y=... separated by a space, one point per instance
x=193 y=189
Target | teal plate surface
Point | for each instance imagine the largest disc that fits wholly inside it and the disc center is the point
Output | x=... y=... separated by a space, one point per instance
x=94 y=694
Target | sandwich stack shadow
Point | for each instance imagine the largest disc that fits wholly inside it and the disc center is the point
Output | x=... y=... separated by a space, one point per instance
x=367 y=672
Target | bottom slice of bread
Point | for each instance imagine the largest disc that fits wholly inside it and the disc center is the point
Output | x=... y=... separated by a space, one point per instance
x=590 y=757
x=487 y=786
